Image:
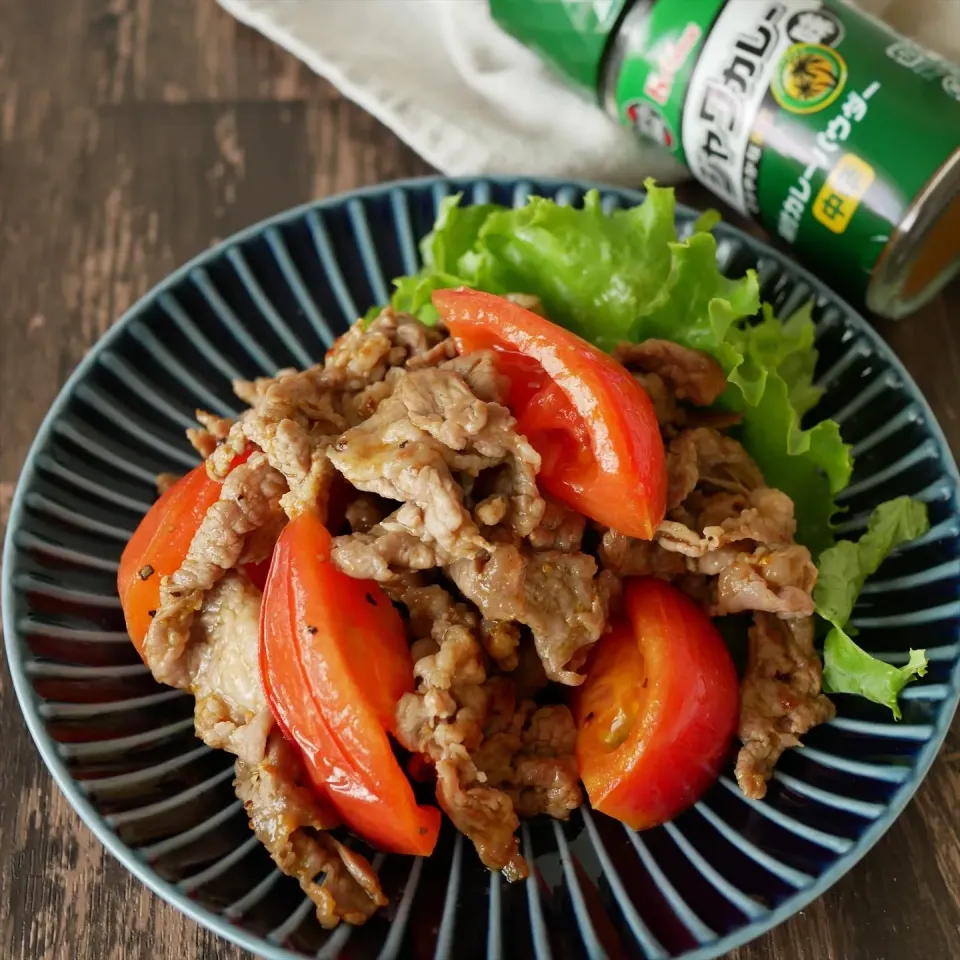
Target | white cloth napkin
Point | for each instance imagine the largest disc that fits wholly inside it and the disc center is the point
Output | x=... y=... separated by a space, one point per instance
x=472 y=100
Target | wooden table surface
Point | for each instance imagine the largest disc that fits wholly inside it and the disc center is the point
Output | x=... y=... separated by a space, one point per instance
x=135 y=133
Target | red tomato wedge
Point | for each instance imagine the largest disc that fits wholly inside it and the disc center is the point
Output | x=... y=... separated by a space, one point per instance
x=591 y=422
x=657 y=711
x=160 y=543
x=158 y=546
x=334 y=662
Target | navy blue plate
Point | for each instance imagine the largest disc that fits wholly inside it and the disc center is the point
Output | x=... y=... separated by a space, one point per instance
x=122 y=748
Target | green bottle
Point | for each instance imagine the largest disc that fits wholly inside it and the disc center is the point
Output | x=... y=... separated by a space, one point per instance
x=836 y=134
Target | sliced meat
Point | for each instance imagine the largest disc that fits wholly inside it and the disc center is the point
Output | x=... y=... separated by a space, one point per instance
x=484 y=814
x=780 y=697
x=232 y=714
x=249 y=497
x=501 y=638
x=165 y=481
x=365 y=511
x=231 y=711
x=670 y=414
x=558 y=595
x=213 y=430
x=703 y=456
x=628 y=557
x=431 y=427
x=778 y=580
x=692 y=375
x=289 y=822
x=560 y=529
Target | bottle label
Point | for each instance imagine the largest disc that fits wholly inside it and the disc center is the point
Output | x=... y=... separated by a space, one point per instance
x=797 y=113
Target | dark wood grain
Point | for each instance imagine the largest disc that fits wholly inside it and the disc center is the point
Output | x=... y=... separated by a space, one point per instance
x=134 y=133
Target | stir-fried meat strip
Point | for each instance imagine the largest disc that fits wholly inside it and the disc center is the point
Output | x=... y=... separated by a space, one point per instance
x=165 y=481
x=431 y=427
x=558 y=595
x=500 y=639
x=560 y=529
x=232 y=713
x=778 y=580
x=248 y=498
x=704 y=456
x=628 y=557
x=212 y=431
x=444 y=720
x=780 y=697
x=747 y=544
x=291 y=823
x=691 y=375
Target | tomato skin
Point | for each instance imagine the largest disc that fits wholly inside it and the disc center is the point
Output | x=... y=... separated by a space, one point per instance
x=658 y=709
x=592 y=423
x=334 y=662
x=158 y=547
x=160 y=543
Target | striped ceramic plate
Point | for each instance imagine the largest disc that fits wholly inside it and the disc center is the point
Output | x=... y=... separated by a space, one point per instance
x=122 y=748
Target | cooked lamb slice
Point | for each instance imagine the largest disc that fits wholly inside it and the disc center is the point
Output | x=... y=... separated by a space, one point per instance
x=486 y=816
x=560 y=529
x=165 y=481
x=628 y=557
x=703 y=456
x=248 y=499
x=780 y=697
x=291 y=822
x=232 y=714
x=213 y=430
x=691 y=374
x=431 y=427
x=778 y=580
x=558 y=595
x=231 y=711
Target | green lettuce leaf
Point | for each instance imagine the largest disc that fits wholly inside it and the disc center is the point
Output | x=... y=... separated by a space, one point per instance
x=843 y=570
x=625 y=275
x=850 y=669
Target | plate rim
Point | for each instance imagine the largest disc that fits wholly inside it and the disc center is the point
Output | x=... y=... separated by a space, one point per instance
x=260 y=945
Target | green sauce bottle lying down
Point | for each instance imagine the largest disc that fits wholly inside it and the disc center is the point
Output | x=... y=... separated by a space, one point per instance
x=832 y=131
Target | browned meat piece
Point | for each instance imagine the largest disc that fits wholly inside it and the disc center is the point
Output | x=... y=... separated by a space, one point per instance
x=248 y=498
x=560 y=529
x=762 y=516
x=231 y=711
x=381 y=554
x=445 y=718
x=483 y=376
x=530 y=753
x=546 y=779
x=501 y=639
x=213 y=431
x=558 y=595
x=165 y=481
x=365 y=511
x=691 y=374
x=290 y=822
x=365 y=352
x=780 y=697
x=486 y=815
x=430 y=427
x=670 y=414
x=704 y=456
x=778 y=580
x=628 y=557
